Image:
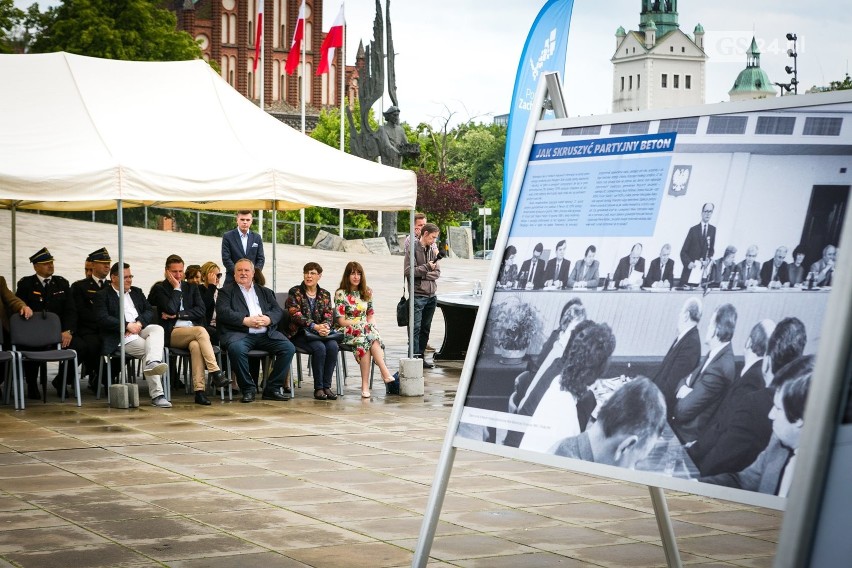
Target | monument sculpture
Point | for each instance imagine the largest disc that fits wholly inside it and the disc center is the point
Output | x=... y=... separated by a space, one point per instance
x=388 y=142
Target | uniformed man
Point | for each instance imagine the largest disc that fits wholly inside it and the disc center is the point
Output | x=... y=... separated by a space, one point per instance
x=88 y=329
x=44 y=291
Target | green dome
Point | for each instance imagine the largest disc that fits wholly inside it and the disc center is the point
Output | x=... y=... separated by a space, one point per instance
x=620 y=31
x=651 y=26
x=752 y=80
x=699 y=29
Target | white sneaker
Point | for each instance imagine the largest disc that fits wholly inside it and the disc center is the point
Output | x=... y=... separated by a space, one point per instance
x=155 y=368
x=161 y=402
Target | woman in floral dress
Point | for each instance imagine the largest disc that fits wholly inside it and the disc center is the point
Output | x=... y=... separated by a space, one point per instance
x=353 y=304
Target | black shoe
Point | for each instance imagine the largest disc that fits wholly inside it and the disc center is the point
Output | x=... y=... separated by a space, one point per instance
x=248 y=396
x=218 y=379
x=427 y=365
x=33 y=393
x=329 y=394
x=201 y=398
x=57 y=384
x=319 y=394
x=275 y=395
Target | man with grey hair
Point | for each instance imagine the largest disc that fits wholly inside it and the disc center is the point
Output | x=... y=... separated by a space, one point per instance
x=727 y=443
x=774 y=272
x=823 y=269
x=661 y=269
x=749 y=268
x=684 y=353
x=723 y=269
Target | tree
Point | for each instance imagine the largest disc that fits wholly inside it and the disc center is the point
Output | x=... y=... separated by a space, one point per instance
x=10 y=17
x=445 y=201
x=844 y=85
x=137 y=30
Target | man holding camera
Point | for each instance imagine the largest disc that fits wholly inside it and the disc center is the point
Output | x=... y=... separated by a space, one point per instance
x=426 y=274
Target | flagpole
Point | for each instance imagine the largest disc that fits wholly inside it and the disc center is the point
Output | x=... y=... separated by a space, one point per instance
x=259 y=22
x=342 y=74
x=304 y=82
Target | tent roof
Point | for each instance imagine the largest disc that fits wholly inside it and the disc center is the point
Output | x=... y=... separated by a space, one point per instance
x=83 y=132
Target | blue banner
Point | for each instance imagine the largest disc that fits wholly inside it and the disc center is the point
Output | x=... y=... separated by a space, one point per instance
x=644 y=144
x=544 y=51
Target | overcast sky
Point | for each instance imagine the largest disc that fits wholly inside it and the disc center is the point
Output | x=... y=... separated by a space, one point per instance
x=463 y=54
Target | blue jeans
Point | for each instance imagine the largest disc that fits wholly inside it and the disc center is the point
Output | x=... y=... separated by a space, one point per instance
x=424 y=309
x=281 y=349
x=323 y=357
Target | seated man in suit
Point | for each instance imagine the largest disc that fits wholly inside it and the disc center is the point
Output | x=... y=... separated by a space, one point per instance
x=772 y=471
x=182 y=315
x=749 y=268
x=631 y=269
x=823 y=269
x=661 y=270
x=141 y=336
x=700 y=393
x=723 y=270
x=628 y=426
x=247 y=316
x=531 y=276
x=557 y=270
x=774 y=272
x=241 y=243
x=585 y=270
x=684 y=354
x=727 y=443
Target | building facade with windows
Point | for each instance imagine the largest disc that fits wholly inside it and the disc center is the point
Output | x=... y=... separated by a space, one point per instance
x=227 y=31
x=658 y=66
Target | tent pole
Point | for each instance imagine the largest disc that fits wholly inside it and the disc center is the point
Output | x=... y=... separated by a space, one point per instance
x=342 y=76
x=121 y=323
x=410 y=283
x=274 y=242
x=14 y=282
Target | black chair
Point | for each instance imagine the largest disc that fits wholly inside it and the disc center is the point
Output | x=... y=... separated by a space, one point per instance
x=132 y=364
x=14 y=382
x=39 y=333
x=183 y=364
x=344 y=348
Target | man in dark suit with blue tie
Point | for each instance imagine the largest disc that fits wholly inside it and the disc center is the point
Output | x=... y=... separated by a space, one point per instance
x=699 y=246
x=247 y=316
x=241 y=243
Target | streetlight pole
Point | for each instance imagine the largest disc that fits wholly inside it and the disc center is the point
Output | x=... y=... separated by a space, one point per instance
x=794 y=71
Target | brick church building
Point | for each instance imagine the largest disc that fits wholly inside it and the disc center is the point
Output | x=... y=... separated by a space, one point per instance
x=226 y=31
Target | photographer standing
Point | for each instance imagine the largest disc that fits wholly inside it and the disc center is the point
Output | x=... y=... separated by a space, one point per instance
x=426 y=274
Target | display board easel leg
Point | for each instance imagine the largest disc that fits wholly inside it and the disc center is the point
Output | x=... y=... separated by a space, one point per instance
x=433 y=507
x=664 y=523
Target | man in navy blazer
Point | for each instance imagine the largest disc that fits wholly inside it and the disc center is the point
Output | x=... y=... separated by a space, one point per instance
x=698 y=395
x=142 y=337
x=241 y=243
x=247 y=316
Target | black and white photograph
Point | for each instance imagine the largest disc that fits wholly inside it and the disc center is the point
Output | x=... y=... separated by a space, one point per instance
x=681 y=342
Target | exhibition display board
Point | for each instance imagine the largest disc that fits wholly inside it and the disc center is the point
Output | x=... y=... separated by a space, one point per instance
x=657 y=273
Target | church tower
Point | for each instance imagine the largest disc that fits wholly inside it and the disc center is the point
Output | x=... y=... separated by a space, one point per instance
x=658 y=66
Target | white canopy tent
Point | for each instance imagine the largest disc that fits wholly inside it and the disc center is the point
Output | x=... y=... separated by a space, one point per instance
x=81 y=133
x=85 y=132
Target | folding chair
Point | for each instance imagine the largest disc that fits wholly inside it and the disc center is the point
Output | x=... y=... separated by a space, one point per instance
x=344 y=348
x=183 y=364
x=14 y=382
x=42 y=331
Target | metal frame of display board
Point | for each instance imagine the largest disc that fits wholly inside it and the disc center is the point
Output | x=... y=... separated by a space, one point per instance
x=549 y=87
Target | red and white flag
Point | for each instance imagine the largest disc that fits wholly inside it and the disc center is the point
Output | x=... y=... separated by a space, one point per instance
x=296 y=44
x=258 y=40
x=333 y=39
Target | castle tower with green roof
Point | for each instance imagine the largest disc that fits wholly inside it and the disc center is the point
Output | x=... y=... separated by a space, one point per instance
x=752 y=82
x=658 y=65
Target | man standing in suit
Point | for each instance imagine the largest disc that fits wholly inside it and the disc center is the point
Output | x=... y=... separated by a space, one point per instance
x=182 y=315
x=531 y=276
x=661 y=269
x=88 y=327
x=241 y=243
x=699 y=246
x=247 y=317
x=700 y=393
x=44 y=291
x=142 y=337
x=630 y=270
x=749 y=268
x=727 y=443
x=683 y=355
x=775 y=270
x=823 y=269
x=557 y=270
